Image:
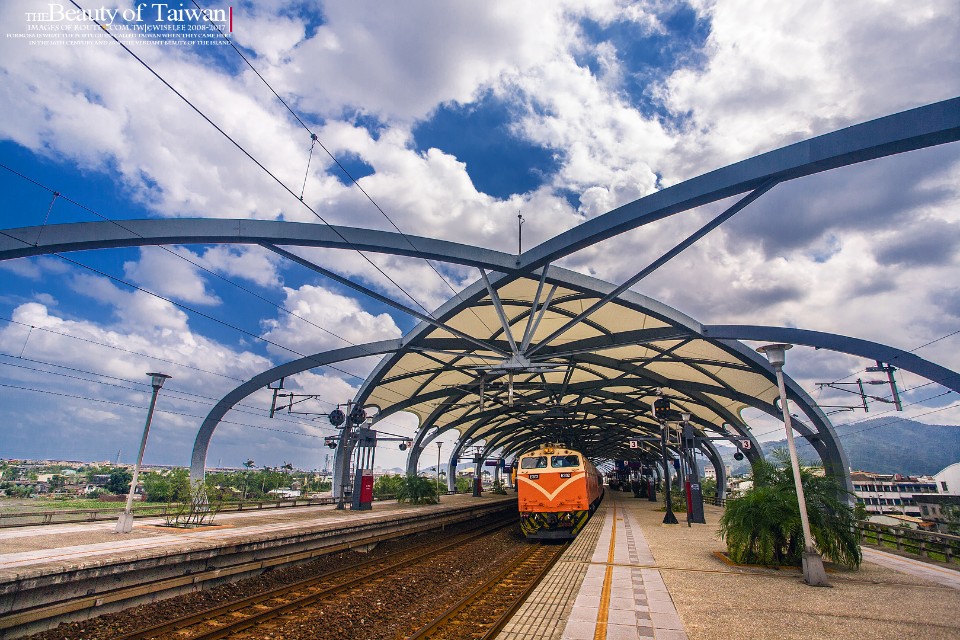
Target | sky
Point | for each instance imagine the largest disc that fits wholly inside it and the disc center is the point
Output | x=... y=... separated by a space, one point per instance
x=452 y=117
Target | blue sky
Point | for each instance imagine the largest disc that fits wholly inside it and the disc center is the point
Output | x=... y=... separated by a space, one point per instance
x=453 y=117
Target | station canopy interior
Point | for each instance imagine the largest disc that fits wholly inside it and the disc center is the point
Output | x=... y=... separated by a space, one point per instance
x=532 y=353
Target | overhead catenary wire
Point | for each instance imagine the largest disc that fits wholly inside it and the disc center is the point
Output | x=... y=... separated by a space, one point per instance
x=315 y=139
x=244 y=151
x=185 y=259
x=187 y=396
x=111 y=346
x=166 y=411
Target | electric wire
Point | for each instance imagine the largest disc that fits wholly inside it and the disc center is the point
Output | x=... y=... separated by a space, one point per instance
x=185 y=259
x=876 y=415
x=186 y=396
x=249 y=155
x=914 y=350
x=315 y=139
x=166 y=411
x=111 y=346
x=243 y=408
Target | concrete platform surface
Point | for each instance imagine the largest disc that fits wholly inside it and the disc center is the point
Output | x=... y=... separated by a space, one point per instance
x=629 y=576
x=48 y=548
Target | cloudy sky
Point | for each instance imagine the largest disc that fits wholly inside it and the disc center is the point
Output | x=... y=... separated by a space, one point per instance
x=453 y=116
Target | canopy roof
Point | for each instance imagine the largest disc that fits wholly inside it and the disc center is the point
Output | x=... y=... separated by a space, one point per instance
x=591 y=386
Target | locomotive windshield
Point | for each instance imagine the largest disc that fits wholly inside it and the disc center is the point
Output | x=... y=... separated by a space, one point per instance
x=559 y=462
x=534 y=462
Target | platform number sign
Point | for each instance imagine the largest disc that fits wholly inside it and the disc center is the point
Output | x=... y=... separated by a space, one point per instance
x=634 y=444
x=745 y=444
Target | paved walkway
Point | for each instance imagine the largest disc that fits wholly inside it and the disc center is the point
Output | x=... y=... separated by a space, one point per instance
x=24 y=548
x=627 y=575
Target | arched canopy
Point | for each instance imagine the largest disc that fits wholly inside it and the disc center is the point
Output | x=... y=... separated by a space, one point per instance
x=532 y=353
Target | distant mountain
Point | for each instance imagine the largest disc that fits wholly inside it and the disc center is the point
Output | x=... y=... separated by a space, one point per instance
x=881 y=445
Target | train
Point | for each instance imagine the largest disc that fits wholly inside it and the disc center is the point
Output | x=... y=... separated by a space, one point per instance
x=557 y=489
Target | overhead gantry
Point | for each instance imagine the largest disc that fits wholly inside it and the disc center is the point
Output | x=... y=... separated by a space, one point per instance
x=532 y=353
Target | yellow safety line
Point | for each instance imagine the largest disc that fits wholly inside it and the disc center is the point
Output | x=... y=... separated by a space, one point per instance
x=603 y=612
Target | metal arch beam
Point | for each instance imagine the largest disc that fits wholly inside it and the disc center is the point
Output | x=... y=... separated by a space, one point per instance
x=843 y=344
x=79 y=236
x=828 y=446
x=925 y=126
x=202 y=442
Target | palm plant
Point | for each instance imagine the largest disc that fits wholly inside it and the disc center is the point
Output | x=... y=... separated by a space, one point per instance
x=763 y=526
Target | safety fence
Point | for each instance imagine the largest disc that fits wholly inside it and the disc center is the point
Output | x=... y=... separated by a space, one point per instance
x=64 y=516
x=928 y=544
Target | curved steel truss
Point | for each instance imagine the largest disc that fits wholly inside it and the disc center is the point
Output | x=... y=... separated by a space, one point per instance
x=532 y=353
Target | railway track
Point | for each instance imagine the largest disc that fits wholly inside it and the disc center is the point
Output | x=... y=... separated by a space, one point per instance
x=251 y=613
x=483 y=612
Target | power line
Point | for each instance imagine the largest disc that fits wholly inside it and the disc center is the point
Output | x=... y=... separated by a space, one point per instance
x=167 y=411
x=248 y=154
x=111 y=346
x=211 y=400
x=315 y=140
x=58 y=194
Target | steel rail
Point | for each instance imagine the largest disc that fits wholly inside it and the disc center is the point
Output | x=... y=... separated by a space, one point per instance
x=212 y=613
x=441 y=622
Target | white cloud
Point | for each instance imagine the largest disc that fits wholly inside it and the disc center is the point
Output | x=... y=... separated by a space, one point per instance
x=250 y=263
x=792 y=70
x=863 y=251
x=163 y=272
x=324 y=320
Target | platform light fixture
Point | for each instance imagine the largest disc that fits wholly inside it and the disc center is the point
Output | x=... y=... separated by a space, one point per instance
x=813 y=571
x=125 y=522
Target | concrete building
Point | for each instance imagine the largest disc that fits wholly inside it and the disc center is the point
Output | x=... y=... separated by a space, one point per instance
x=891 y=493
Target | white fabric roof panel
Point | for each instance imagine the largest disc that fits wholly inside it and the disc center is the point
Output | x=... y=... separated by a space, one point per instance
x=710 y=370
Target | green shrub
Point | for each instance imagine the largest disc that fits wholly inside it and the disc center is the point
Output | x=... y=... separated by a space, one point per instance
x=763 y=526
x=418 y=490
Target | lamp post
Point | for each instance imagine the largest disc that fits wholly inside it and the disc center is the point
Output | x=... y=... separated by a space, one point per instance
x=813 y=571
x=439 y=445
x=125 y=523
x=661 y=407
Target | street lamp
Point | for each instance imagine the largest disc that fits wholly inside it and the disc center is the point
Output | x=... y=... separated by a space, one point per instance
x=125 y=523
x=439 y=444
x=661 y=407
x=813 y=571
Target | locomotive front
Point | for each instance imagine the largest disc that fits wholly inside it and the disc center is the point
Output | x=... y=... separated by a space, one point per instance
x=557 y=489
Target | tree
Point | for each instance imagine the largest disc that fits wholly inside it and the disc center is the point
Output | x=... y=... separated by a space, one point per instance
x=763 y=526
x=167 y=487
x=464 y=484
x=860 y=511
x=951 y=517
x=249 y=464
x=119 y=481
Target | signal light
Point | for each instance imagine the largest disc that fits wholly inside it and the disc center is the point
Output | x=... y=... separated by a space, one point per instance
x=358 y=415
x=337 y=417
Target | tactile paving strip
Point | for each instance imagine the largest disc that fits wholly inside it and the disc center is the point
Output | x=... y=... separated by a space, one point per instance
x=544 y=615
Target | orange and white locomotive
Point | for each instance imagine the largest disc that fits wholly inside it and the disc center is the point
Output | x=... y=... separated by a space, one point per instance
x=557 y=489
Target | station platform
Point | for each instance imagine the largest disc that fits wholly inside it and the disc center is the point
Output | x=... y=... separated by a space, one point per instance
x=628 y=576
x=74 y=571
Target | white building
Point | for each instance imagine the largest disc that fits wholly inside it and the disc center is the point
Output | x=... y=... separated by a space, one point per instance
x=891 y=493
x=948 y=480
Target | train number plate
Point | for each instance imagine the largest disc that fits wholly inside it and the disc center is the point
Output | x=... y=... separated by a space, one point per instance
x=534 y=476
x=564 y=475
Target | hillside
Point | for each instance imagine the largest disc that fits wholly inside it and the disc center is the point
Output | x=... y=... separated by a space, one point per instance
x=881 y=445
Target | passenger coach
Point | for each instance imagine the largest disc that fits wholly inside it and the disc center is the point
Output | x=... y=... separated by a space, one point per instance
x=557 y=489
